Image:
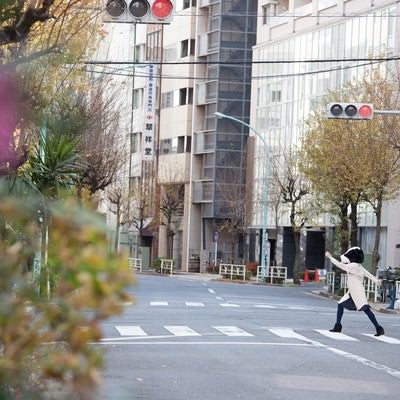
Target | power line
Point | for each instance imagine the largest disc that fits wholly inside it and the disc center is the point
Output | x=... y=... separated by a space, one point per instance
x=244 y=62
x=116 y=72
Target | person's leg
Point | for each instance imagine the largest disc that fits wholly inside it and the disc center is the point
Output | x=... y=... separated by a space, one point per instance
x=379 y=329
x=339 y=315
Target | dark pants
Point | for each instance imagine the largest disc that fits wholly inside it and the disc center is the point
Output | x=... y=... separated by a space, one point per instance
x=349 y=305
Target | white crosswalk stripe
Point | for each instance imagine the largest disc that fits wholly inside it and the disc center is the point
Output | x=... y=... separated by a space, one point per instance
x=130 y=330
x=194 y=304
x=232 y=331
x=336 y=335
x=229 y=305
x=159 y=303
x=263 y=306
x=384 y=338
x=179 y=330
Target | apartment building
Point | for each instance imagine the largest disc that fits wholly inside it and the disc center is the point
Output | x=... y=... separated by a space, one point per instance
x=206 y=68
x=283 y=94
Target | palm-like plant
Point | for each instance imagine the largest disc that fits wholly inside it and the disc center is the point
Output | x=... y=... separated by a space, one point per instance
x=53 y=165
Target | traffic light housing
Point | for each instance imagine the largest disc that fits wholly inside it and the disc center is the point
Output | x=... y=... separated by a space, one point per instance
x=139 y=11
x=362 y=111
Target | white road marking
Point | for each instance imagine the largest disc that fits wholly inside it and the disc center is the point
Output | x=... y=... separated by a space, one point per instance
x=211 y=291
x=291 y=334
x=384 y=338
x=263 y=306
x=365 y=361
x=232 y=331
x=229 y=305
x=130 y=330
x=219 y=298
x=194 y=304
x=159 y=303
x=179 y=330
x=336 y=335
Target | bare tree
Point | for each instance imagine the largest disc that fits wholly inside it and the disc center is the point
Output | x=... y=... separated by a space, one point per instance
x=235 y=201
x=102 y=147
x=294 y=192
x=171 y=208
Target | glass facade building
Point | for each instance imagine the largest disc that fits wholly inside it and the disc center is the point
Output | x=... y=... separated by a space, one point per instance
x=322 y=57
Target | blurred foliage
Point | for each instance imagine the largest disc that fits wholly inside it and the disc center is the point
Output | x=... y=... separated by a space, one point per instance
x=46 y=344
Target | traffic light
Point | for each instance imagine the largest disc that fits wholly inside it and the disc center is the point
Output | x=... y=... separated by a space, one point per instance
x=350 y=110
x=140 y=11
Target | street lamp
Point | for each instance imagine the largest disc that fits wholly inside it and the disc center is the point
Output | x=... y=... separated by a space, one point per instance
x=264 y=208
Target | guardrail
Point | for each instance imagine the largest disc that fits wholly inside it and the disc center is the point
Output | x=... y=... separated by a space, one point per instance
x=135 y=264
x=370 y=287
x=232 y=270
x=167 y=266
x=272 y=274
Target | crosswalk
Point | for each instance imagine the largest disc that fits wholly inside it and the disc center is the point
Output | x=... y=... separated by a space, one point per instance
x=132 y=331
x=232 y=305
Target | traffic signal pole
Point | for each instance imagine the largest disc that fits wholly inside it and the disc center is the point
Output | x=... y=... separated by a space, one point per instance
x=387 y=112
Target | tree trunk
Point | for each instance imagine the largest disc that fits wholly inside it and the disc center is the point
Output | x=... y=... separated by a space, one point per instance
x=354 y=225
x=117 y=225
x=297 y=267
x=375 y=252
x=344 y=228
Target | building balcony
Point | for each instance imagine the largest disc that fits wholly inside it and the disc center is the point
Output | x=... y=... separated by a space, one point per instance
x=203 y=191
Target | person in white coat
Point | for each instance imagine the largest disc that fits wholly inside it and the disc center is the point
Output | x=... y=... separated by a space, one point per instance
x=354 y=298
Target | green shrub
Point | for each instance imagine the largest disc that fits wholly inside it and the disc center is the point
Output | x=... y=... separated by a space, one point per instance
x=45 y=342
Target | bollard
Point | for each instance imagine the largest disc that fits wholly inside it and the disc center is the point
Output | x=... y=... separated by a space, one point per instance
x=306 y=278
x=392 y=297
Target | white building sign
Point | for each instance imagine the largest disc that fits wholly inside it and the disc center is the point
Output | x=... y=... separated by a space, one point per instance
x=149 y=116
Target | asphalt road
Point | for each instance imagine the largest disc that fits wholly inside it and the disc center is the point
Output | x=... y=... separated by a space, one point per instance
x=192 y=339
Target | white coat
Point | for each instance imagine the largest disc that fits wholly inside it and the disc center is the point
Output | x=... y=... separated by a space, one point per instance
x=355 y=282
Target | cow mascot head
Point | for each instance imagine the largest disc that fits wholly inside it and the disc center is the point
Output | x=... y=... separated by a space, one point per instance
x=352 y=255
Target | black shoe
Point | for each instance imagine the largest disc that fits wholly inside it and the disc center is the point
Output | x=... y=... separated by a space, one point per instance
x=336 y=328
x=379 y=331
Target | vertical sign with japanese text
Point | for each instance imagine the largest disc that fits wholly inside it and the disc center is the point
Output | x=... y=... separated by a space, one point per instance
x=149 y=116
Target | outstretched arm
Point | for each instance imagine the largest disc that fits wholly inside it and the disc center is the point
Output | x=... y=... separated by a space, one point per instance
x=372 y=277
x=339 y=264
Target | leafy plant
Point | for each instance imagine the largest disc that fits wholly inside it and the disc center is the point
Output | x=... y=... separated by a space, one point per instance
x=46 y=344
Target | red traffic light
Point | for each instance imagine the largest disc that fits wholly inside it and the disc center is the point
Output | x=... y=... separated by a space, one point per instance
x=162 y=9
x=140 y=11
x=350 y=111
x=366 y=111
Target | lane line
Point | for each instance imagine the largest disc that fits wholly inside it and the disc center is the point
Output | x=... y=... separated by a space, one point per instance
x=365 y=361
x=211 y=291
x=191 y=343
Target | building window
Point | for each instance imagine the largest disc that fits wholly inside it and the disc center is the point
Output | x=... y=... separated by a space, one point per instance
x=167 y=100
x=135 y=136
x=174 y=145
x=187 y=4
x=184 y=48
x=269 y=10
x=137 y=99
x=276 y=96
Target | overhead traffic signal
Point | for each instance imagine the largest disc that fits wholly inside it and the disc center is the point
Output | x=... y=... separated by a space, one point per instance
x=350 y=110
x=140 y=11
